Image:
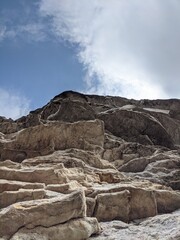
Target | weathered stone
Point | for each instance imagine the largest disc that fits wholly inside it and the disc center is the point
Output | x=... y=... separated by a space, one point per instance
x=130 y=125
x=64 y=188
x=8 y=126
x=72 y=111
x=61 y=148
x=142 y=204
x=6 y=185
x=49 y=175
x=167 y=201
x=9 y=197
x=40 y=175
x=44 y=139
x=165 y=226
x=110 y=206
x=77 y=229
x=142 y=201
x=90 y=202
x=44 y=212
x=135 y=165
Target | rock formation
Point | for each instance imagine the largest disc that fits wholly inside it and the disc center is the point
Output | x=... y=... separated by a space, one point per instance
x=91 y=167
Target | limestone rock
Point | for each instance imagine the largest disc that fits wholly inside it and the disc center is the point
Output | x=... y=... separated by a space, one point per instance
x=9 y=197
x=110 y=206
x=90 y=202
x=44 y=139
x=44 y=212
x=82 y=156
x=64 y=188
x=6 y=185
x=167 y=201
x=77 y=229
x=142 y=202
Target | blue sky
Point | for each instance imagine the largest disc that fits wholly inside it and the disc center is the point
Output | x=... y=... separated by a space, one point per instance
x=33 y=68
x=119 y=47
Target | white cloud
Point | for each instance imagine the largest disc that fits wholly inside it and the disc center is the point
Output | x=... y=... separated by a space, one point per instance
x=35 y=31
x=2 y=32
x=130 y=48
x=29 y=32
x=13 y=105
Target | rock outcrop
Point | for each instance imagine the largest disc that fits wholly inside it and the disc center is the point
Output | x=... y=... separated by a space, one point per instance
x=91 y=167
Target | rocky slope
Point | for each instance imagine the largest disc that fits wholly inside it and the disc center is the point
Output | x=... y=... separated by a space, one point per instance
x=91 y=167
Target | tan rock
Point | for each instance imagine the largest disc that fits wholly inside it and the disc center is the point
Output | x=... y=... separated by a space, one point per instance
x=6 y=185
x=40 y=175
x=64 y=188
x=167 y=201
x=44 y=212
x=90 y=202
x=10 y=164
x=142 y=204
x=142 y=200
x=111 y=206
x=9 y=197
x=112 y=154
x=77 y=229
x=44 y=139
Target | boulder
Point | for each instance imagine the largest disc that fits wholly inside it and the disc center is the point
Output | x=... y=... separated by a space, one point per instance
x=110 y=206
x=6 y=185
x=77 y=229
x=136 y=127
x=9 y=197
x=44 y=212
x=90 y=202
x=142 y=202
x=45 y=175
x=167 y=201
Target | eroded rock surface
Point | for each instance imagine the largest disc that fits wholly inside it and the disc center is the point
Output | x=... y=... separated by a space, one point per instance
x=83 y=159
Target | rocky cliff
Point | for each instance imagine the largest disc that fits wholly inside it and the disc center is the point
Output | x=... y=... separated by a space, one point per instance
x=91 y=167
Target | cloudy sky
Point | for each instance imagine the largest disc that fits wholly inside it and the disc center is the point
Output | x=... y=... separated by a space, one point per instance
x=129 y=48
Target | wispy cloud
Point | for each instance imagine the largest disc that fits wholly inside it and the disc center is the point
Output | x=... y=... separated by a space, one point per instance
x=22 y=23
x=12 y=104
x=29 y=32
x=129 y=48
x=2 y=32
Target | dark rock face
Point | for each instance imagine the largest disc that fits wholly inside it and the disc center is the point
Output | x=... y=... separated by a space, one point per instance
x=136 y=127
x=96 y=158
x=72 y=111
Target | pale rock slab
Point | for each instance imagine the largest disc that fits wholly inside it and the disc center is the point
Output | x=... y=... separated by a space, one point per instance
x=9 y=197
x=77 y=229
x=44 y=212
x=10 y=185
x=47 y=138
x=110 y=206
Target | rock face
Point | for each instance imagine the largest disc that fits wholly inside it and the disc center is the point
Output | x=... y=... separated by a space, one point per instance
x=91 y=167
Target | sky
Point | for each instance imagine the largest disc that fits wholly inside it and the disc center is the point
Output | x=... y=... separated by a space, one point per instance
x=127 y=48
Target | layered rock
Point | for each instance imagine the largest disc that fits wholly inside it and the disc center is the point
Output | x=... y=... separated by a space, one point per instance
x=78 y=229
x=44 y=212
x=164 y=227
x=81 y=159
x=47 y=138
